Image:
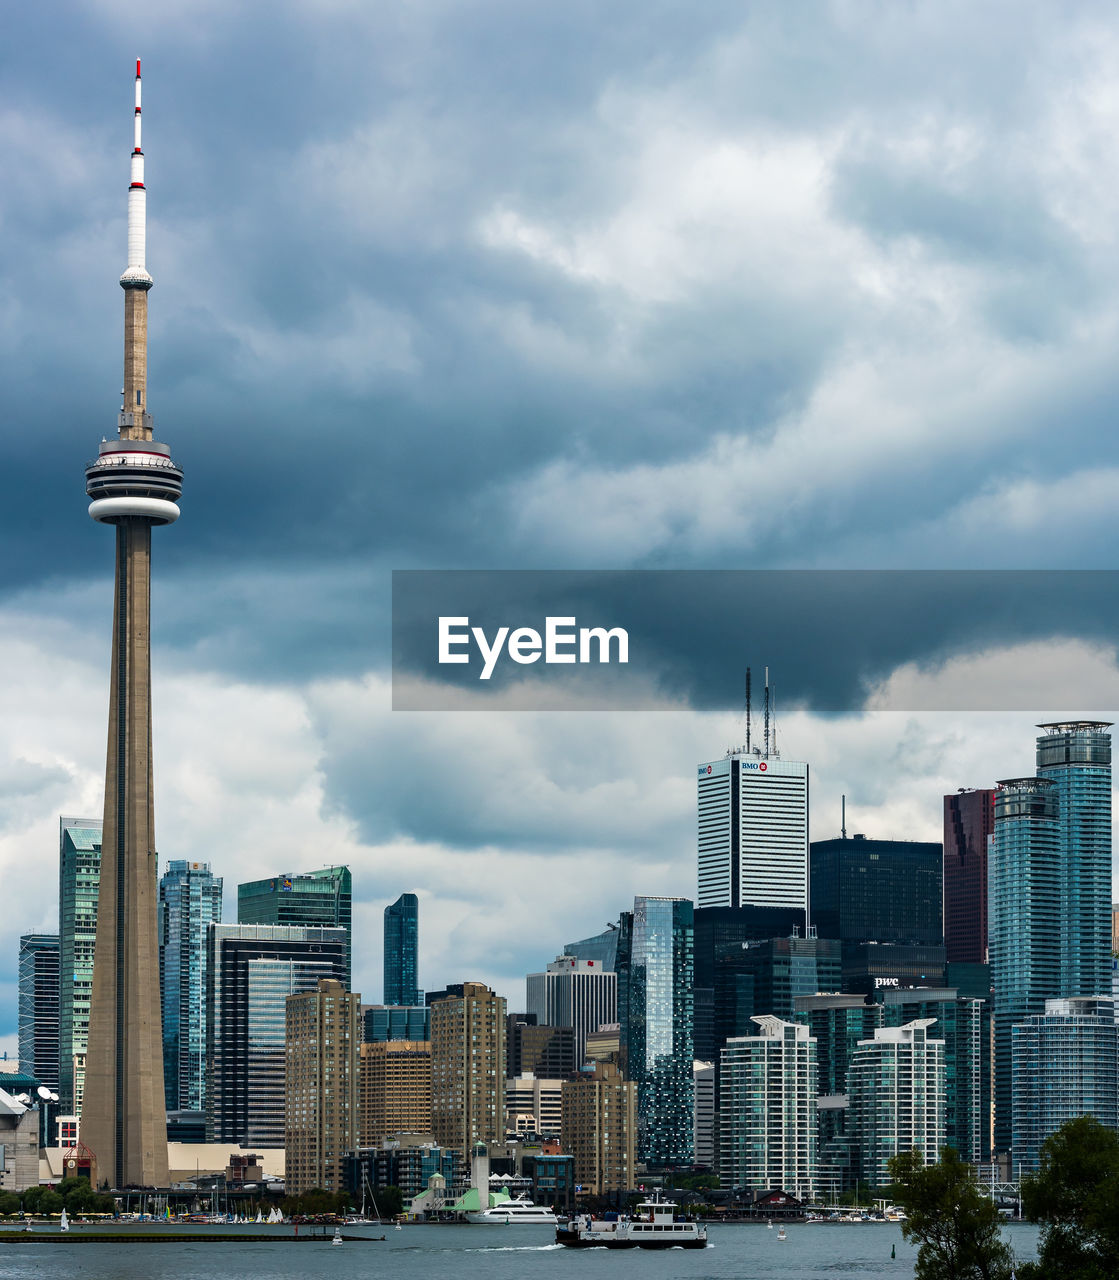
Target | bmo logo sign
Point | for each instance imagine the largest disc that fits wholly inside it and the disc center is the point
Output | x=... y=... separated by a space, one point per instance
x=704 y=770
x=755 y=766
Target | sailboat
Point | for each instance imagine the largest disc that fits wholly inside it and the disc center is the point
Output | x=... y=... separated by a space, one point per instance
x=65 y=1223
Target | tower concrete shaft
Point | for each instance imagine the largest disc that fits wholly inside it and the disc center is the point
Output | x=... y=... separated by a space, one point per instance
x=134 y=485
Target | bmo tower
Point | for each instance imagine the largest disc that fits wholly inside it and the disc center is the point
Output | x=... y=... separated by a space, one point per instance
x=133 y=485
x=753 y=832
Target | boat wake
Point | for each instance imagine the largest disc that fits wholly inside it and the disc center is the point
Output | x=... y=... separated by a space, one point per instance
x=516 y=1248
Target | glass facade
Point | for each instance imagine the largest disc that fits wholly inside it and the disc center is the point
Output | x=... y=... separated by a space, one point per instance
x=79 y=878
x=38 y=1007
x=397 y=1022
x=190 y=900
x=838 y=1024
x=877 y=890
x=322 y=898
x=969 y=822
x=402 y=948
x=655 y=975
x=602 y=948
x=1065 y=1064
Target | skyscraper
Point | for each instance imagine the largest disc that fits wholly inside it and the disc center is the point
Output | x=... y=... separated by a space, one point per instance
x=320 y=898
x=251 y=971
x=79 y=875
x=321 y=1117
x=395 y=1089
x=753 y=832
x=468 y=1068
x=767 y=1111
x=655 y=974
x=598 y=1125
x=189 y=902
x=402 y=949
x=877 y=891
x=969 y=822
x=133 y=485
x=896 y=1086
x=38 y=1007
x=573 y=993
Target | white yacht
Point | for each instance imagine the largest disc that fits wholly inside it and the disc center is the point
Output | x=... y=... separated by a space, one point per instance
x=515 y=1211
x=655 y=1226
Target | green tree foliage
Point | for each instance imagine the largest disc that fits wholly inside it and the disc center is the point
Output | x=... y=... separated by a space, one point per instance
x=954 y=1223
x=9 y=1203
x=31 y=1198
x=315 y=1202
x=51 y=1202
x=1075 y=1194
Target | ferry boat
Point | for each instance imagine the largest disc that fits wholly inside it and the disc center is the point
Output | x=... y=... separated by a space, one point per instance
x=654 y=1227
x=514 y=1211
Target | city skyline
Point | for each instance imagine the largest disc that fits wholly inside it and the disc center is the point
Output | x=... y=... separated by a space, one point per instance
x=529 y=346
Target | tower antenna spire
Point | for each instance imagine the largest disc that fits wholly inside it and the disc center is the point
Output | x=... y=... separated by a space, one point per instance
x=747 y=710
x=767 y=713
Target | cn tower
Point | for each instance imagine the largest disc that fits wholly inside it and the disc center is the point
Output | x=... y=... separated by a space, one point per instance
x=133 y=485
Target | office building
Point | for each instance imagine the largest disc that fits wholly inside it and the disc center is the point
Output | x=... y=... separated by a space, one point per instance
x=969 y=823
x=704 y=1136
x=79 y=876
x=251 y=971
x=1065 y=1064
x=396 y=1022
x=134 y=486
x=468 y=1068
x=838 y=1022
x=599 y=1126
x=321 y=1114
x=402 y=950
x=753 y=833
x=395 y=1089
x=877 y=891
x=321 y=898
x=38 y=1007
x=190 y=898
x=872 y=966
x=767 y=1109
x=19 y=1144
x=602 y=948
x=964 y=1025
x=573 y=993
x=605 y=1044
x=895 y=1083
x=536 y=1050
x=533 y=1104
x=655 y=974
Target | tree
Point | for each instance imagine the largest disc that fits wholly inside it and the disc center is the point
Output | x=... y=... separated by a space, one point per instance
x=1075 y=1194
x=9 y=1203
x=51 y=1202
x=31 y=1198
x=956 y=1225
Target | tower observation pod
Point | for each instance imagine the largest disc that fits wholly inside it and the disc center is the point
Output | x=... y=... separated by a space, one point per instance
x=133 y=484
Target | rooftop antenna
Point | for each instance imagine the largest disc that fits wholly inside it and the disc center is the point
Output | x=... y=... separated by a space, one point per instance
x=775 y=751
x=767 y=713
x=747 y=710
x=843 y=818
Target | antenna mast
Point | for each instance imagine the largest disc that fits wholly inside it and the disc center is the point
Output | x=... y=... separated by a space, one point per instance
x=843 y=817
x=767 y=713
x=747 y=710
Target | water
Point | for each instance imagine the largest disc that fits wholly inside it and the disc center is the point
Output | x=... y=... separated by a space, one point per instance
x=811 y=1252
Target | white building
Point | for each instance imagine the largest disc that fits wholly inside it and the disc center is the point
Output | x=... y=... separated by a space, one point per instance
x=574 y=993
x=767 y=1109
x=703 y=1114
x=753 y=832
x=19 y=1144
x=531 y=1097
x=896 y=1084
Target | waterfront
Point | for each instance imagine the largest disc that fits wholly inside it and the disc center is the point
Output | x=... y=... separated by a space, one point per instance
x=811 y=1252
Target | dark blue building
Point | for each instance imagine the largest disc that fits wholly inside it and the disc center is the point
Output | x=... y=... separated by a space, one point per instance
x=402 y=948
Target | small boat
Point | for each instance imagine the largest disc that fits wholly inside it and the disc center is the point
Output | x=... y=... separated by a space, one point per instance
x=781 y=1234
x=654 y=1227
x=337 y=1236
x=769 y=1225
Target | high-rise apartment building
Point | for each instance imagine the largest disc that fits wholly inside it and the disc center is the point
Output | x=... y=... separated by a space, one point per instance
x=396 y=1022
x=38 y=1007
x=1065 y=1064
x=767 y=1109
x=321 y=1114
x=655 y=1011
x=964 y=1025
x=838 y=1023
x=895 y=1083
x=320 y=898
x=468 y=1068
x=79 y=875
x=573 y=993
x=251 y=971
x=753 y=832
x=395 y=1089
x=877 y=890
x=969 y=823
x=190 y=898
x=598 y=1129
x=402 y=950
x=704 y=1115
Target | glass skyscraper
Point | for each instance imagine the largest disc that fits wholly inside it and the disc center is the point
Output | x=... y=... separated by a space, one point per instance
x=321 y=898
x=969 y=820
x=655 y=974
x=402 y=949
x=877 y=891
x=79 y=877
x=189 y=901
x=38 y=1007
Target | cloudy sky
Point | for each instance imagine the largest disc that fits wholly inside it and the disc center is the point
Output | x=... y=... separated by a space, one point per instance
x=495 y=284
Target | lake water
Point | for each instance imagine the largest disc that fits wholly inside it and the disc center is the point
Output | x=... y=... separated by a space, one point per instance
x=811 y=1252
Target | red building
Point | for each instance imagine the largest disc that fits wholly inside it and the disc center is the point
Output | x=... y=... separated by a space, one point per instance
x=969 y=818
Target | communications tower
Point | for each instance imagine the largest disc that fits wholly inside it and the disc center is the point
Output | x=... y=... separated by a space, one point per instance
x=134 y=485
